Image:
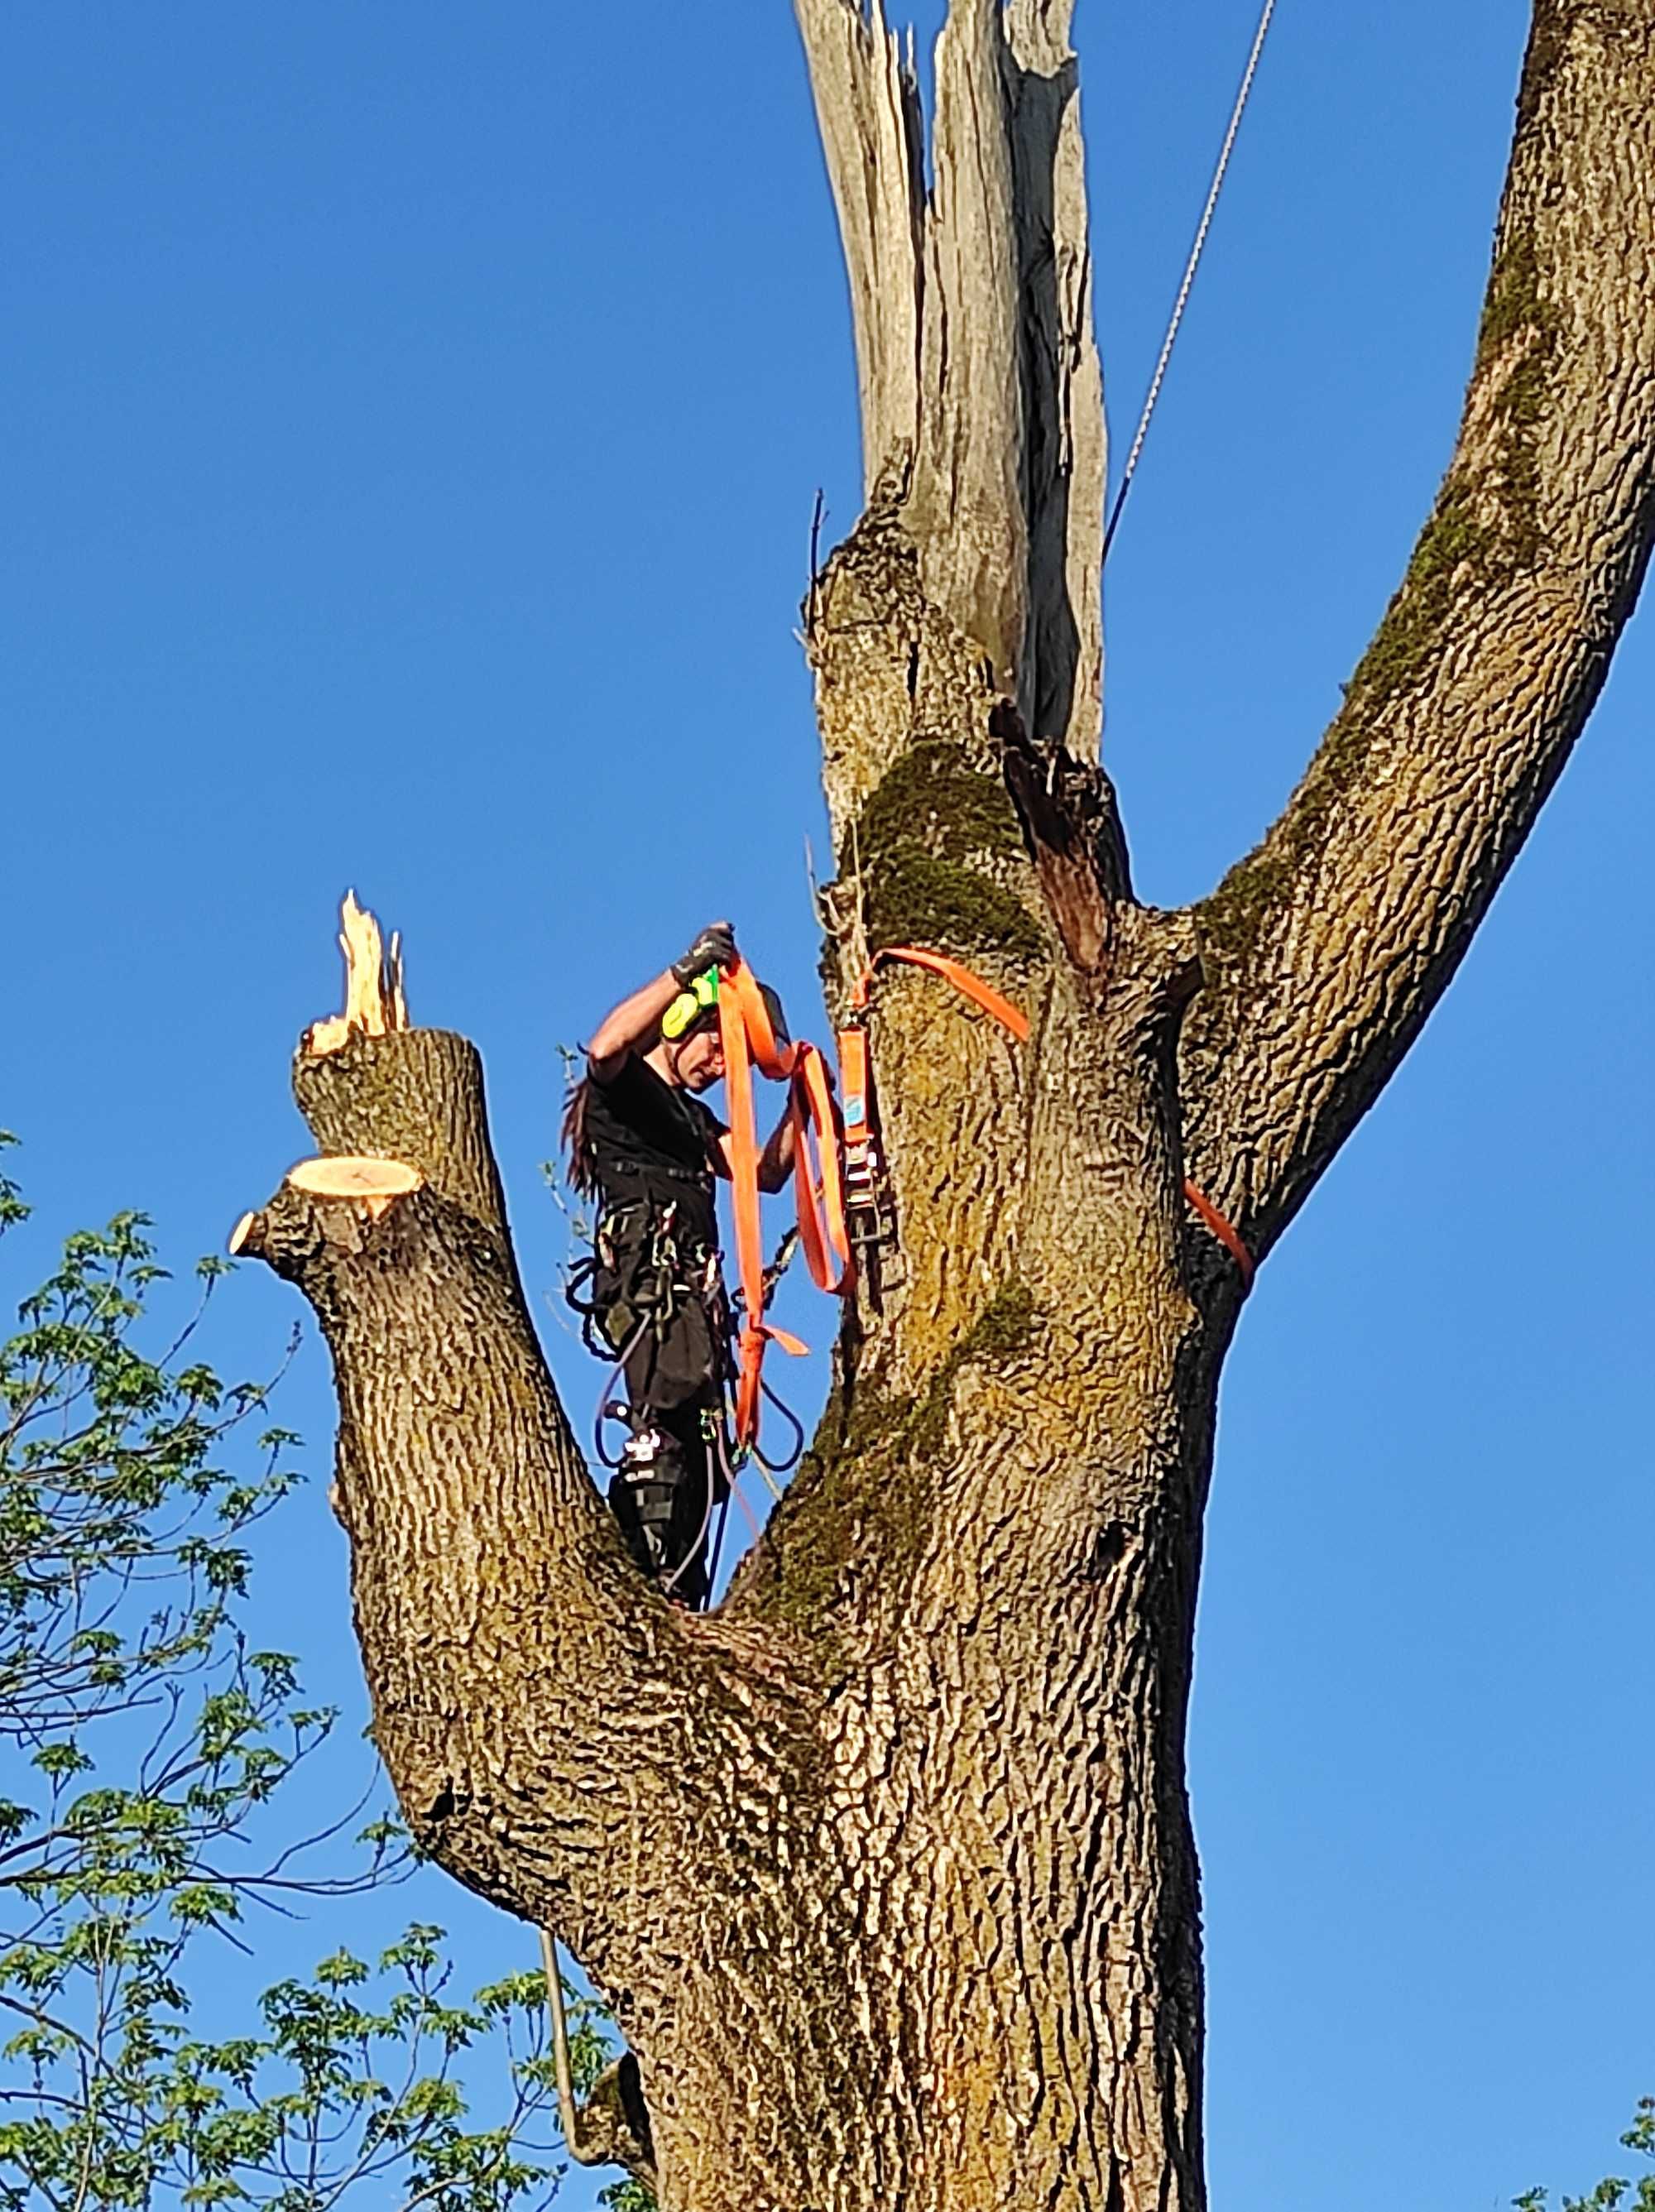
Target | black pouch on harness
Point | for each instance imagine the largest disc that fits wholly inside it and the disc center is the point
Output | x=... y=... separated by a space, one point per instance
x=674 y=1358
x=654 y=1303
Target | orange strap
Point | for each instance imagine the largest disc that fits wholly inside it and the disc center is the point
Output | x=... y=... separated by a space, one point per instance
x=854 y=1101
x=739 y=986
x=853 y=1051
x=818 y=1173
x=968 y=985
x=749 y=1042
x=735 y=1036
x=817 y=1180
x=1225 y=1231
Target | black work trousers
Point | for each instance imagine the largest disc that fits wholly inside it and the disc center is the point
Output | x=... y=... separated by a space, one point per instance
x=700 y=1491
x=673 y=1366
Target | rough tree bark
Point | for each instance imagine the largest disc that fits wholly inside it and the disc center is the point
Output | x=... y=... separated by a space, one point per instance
x=886 y=1865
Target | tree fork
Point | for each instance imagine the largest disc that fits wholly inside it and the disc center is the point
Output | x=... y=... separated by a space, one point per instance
x=887 y=1866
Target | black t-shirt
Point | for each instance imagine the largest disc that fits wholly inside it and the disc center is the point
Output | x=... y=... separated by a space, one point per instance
x=647 y=1140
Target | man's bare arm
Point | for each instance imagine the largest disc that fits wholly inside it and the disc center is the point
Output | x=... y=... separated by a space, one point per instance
x=628 y=1024
x=776 y=1161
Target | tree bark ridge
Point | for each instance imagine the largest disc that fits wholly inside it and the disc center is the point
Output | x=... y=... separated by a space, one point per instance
x=559 y=1737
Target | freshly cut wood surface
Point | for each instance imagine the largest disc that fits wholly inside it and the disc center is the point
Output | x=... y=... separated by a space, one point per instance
x=362 y=1177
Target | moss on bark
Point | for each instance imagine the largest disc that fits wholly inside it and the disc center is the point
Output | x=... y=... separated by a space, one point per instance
x=935 y=796
x=927 y=840
x=1484 y=530
x=917 y=899
x=871 y=1432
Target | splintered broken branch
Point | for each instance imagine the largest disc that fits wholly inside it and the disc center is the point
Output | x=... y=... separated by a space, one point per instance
x=376 y=1136
x=371 y=1086
x=374 y=1002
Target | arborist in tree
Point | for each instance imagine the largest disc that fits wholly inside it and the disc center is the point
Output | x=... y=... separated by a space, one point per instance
x=640 y=1140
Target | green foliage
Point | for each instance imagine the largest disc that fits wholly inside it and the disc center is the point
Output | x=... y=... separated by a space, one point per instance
x=348 y=2081
x=144 y=1737
x=628 y=2196
x=1610 y=2194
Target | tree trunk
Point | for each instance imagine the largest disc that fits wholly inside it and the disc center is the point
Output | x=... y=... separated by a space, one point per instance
x=886 y=1865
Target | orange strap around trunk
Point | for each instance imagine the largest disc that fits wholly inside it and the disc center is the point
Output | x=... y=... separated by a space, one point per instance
x=853 y=1050
x=968 y=985
x=749 y=1042
x=1225 y=1231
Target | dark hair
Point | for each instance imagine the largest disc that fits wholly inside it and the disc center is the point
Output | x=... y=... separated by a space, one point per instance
x=579 y=1165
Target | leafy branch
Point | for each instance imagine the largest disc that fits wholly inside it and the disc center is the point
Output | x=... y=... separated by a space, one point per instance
x=148 y=1736
x=1610 y=2194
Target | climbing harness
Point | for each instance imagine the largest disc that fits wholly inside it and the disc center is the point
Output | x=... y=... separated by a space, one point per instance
x=640 y=1292
x=1190 y=268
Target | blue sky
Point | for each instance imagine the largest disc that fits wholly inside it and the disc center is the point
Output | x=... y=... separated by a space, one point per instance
x=414 y=419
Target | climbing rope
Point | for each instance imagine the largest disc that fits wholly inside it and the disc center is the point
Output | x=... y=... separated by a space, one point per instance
x=1190 y=266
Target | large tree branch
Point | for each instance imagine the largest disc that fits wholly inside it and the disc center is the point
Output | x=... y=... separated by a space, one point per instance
x=559 y=1737
x=1326 y=949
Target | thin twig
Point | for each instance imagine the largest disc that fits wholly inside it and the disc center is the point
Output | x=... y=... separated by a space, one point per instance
x=567 y=2118
x=817 y=513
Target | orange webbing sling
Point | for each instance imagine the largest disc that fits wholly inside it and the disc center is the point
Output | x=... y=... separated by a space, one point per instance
x=749 y=1042
x=853 y=1062
x=1227 y=1234
x=864 y=1167
x=854 y=1076
x=856 y=1103
x=968 y=985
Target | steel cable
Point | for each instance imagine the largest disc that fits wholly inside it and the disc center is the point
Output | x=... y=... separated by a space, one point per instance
x=1190 y=266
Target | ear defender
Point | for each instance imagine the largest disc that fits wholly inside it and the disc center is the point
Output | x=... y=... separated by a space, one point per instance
x=690 y=1006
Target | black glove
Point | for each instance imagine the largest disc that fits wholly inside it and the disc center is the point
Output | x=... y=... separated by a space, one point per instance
x=714 y=948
